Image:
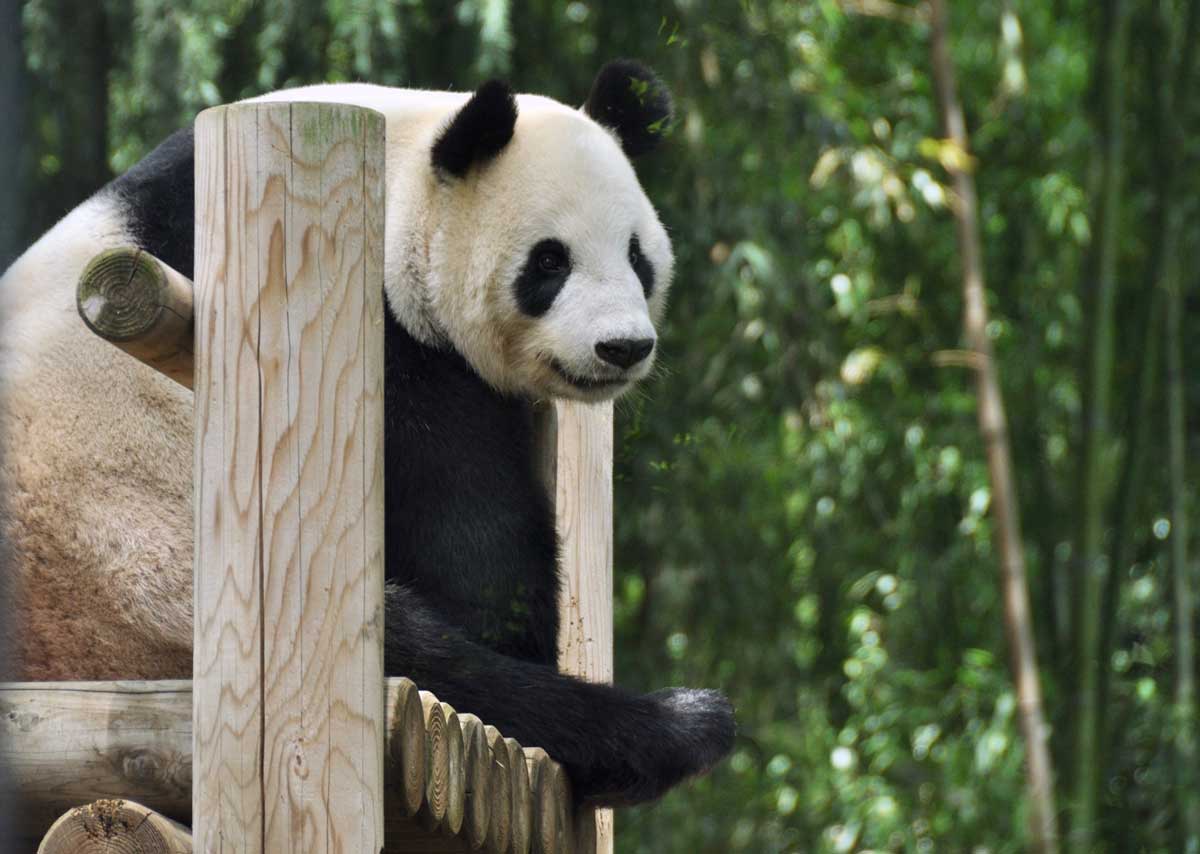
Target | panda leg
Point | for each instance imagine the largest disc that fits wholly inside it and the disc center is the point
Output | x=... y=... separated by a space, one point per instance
x=619 y=748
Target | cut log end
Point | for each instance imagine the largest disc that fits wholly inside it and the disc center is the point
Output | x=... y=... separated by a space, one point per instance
x=131 y=299
x=437 y=763
x=522 y=798
x=477 y=770
x=500 y=822
x=407 y=744
x=115 y=827
x=551 y=804
x=456 y=784
x=120 y=294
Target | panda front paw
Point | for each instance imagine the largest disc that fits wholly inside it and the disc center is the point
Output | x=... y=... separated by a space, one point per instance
x=677 y=733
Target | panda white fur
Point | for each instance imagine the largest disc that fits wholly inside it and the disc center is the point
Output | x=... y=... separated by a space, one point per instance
x=522 y=260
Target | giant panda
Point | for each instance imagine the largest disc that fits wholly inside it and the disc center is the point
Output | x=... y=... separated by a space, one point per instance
x=522 y=261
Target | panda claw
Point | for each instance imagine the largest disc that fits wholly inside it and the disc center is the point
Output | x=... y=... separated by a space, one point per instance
x=687 y=732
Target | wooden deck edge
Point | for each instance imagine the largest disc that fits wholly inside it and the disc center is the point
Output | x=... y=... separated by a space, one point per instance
x=67 y=744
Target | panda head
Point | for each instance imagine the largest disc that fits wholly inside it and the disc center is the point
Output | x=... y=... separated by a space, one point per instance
x=547 y=267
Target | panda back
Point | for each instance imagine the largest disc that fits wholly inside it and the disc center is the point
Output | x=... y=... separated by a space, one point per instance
x=156 y=199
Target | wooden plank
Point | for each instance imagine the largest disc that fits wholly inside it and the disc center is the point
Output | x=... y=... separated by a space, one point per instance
x=582 y=479
x=288 y=647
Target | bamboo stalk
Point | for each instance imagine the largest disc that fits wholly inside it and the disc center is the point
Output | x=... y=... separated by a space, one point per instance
x=993 y=425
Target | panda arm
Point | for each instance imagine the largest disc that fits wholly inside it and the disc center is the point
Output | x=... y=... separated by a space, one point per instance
x=618 y=748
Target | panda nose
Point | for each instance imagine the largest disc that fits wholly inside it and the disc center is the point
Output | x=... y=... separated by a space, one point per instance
x=624 y=352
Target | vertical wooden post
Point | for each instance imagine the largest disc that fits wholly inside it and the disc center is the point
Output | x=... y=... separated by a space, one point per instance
x=288 y=714
x=576 y=442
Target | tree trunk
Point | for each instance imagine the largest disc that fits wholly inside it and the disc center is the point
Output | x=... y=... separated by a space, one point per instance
x=13 y=88
x=992 y=423
x=1182 y=52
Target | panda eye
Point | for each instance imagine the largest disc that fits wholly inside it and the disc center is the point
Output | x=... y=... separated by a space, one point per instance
x=552 y=261
x=641 y=266
x=545 y=274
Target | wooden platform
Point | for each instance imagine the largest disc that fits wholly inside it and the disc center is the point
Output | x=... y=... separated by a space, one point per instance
x=453 y=783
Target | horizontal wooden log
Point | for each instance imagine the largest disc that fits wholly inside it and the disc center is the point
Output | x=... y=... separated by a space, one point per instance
x=477 y=775
x=406 y=745
x=115 y=827
x=65 y=744
x=71 y=743
x=522 y=798
x=500 y=821
x=551 y=804
x=437 y=763
x=143 y=306
x=456 y=784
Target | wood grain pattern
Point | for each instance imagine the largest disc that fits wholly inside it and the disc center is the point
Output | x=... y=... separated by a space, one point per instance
x=141 y=305
x=477 y=767
x=582 y=479
x=115 y=827
x=64 y=744
x=551 y=804
x=406 y=745
x=437 y=763
x=500 y=821
x=522 y=798
x=68 y=743
x=289 y=437
x=456 y=782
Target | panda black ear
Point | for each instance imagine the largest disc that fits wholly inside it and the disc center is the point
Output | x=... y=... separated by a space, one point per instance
x=629 y=98
x=479 y=131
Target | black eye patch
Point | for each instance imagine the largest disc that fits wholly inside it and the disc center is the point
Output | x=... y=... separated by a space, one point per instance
x=642 y=266
x=543 y=276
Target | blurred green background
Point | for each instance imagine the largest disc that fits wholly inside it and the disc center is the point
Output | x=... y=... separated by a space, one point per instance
x=802 y=498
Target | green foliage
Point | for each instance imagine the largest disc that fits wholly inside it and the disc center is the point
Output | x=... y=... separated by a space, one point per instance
x=803 y=499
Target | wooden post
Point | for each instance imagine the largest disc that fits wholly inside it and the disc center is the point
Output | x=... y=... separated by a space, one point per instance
x=576 y=441
x=288 y=670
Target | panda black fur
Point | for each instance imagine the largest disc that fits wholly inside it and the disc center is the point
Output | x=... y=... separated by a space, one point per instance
x=471 y=547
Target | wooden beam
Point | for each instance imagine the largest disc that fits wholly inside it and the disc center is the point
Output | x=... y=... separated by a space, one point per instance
x=141 y=305
x=288 y=652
